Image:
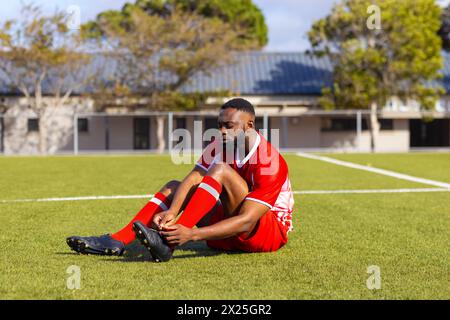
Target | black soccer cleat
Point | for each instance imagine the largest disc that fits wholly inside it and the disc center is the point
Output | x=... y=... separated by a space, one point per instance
x=103 y=245
x=153 y=241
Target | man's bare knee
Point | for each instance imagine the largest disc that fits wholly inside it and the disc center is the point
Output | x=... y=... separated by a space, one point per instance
x=234 y=186
x=172 y=184
x=219 y=171
x=170 y=187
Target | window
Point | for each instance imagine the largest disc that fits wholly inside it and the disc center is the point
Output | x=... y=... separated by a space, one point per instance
x=259 y=123
x=349 y=124
x=429 y=134
x=341 y=124
x=210 y=123
x=33 y=125
x=180 y=123
x=141 y=133
x=83 y=125
x=386 y=124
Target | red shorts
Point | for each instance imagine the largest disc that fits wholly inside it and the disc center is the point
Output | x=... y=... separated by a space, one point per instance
x=269 y=235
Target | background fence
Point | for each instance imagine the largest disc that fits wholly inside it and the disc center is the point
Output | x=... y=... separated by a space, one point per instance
x=311 y=130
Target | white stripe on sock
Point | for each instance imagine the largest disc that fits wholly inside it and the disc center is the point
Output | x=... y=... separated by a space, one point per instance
x=210 y=189
x=159 y=203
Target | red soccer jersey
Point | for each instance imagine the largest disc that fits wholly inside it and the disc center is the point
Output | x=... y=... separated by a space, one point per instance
x=266 y=174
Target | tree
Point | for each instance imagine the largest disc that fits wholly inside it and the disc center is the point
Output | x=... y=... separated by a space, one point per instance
x=242 y=15
x=402 y=59
x=40 y=56
x=158 y=51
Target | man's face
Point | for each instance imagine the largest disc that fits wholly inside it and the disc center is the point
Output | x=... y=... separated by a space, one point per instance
x=232 y=123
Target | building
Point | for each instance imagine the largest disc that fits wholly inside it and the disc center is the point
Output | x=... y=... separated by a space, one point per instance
x=284 y=87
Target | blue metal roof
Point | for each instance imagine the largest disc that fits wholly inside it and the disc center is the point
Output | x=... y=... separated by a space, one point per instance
x=265 y=73
x=445 y=81
x=260 y=73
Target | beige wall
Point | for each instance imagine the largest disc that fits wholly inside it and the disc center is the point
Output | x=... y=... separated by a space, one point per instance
x=299 y=132
x=305 y=132
x=389 y=140
x=295 y=132
x=121 y=133
x=57 y=120
x=398 y=139
x=153 y=136
x=94 y=139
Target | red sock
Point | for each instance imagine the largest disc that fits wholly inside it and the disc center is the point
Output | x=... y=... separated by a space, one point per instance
x=202 y=201
x=158 y=203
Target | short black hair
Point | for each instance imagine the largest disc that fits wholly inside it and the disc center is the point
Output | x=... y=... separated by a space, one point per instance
x=239 y=104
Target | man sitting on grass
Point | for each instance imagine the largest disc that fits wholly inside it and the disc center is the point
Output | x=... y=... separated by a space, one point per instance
x=238 y=200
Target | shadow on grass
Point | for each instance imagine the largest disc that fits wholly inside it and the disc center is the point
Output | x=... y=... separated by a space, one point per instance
x=135 y=252
x=67 y=253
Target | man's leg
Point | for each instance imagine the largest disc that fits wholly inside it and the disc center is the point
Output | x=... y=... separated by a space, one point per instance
x=220 y=181
x=160 y=202
x=114 y=244
x=267 y=235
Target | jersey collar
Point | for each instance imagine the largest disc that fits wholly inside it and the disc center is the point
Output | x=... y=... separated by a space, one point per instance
x=240 y=163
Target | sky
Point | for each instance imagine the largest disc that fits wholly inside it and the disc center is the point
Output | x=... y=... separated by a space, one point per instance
x=288 y=20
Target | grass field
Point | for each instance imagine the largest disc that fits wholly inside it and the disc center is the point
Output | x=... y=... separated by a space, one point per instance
x=336 y=237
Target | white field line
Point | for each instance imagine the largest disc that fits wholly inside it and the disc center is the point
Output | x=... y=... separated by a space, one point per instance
x=376 y=170
x=79 y=198
x=305 y=192
x=416 y=190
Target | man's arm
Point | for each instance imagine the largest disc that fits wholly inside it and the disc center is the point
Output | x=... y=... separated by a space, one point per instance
x=244 y=222
x=192 y=179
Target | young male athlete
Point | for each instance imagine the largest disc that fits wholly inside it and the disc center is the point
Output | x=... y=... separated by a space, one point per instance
x=238 y=195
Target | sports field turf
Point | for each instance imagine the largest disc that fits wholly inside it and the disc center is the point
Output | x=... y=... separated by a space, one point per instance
x=336 y=237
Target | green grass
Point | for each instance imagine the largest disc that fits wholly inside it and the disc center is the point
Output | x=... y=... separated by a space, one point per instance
x=426 y=165
x=336 y=237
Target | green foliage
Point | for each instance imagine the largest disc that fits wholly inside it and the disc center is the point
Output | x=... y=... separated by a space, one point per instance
x=401 y=60
x=243 y=16
x=240 y=14
x=115 y=18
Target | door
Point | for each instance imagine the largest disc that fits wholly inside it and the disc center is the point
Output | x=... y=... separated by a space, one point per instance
x=429 y=134
x=141 y=133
